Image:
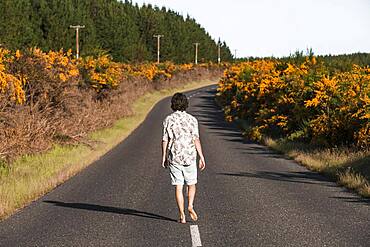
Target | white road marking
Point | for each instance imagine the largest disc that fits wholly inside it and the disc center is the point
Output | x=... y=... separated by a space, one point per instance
x=195 y=236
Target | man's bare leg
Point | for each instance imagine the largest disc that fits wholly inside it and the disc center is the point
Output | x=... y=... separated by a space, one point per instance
x=191 y=195
x=180 y=202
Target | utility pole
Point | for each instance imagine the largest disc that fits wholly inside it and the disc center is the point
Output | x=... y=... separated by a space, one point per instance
x=158 y=36
x=235 y=54
x=77 y=28
x=196 y=52
x=219 y=53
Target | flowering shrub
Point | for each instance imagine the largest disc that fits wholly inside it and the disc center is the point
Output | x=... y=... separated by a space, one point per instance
x=11 y=84
x=101 y=73
x=300 y=101
x=60 y=64
x=51 y=97
x=37 y=74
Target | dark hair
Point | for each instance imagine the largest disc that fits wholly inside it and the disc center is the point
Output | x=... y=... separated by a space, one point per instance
x=179 y=102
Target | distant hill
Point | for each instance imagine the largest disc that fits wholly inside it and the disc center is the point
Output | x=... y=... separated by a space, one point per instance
x=122 y=29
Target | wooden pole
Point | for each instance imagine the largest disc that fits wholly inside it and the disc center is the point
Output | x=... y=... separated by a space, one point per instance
x=158 y=36
x=196 y=52
x=77 y=28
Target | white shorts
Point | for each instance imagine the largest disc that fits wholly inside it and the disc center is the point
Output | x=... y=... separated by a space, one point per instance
x=181 y=175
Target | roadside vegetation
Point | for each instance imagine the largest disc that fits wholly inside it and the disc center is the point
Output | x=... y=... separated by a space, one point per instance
x=51 y=97
x=316 y=113
x=58 y=114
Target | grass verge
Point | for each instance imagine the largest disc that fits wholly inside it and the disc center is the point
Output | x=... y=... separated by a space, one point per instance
x=30 y=177
x=349 y=168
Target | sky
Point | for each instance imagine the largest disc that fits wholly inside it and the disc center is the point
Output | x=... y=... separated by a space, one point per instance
x=281 y=27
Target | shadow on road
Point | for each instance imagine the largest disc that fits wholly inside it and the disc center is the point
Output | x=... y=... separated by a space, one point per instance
x=100 y=208
x=353 y=199
x=210 y=115
x=293 y=177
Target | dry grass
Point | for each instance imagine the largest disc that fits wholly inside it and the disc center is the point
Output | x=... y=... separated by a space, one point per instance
x=352 y=180
x=348 y=167
x=65 y=113
x=31 y=176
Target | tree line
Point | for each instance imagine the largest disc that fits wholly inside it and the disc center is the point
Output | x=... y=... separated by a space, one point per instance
x=121 y=29
x=334 y=63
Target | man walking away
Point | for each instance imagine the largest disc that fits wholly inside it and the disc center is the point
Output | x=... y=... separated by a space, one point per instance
x=180 y=146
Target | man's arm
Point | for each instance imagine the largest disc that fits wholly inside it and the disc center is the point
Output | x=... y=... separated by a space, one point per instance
x=202 y=162
x=164 y=153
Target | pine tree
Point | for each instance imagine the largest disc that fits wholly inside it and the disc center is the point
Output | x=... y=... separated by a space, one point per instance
x=122 y=29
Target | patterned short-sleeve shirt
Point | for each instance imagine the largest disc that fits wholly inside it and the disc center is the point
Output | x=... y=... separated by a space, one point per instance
x=180 y=129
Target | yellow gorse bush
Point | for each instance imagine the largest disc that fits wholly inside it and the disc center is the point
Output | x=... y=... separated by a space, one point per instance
x=22 y=72
x=153 y=71
x=11 y=84
x=101 y=72
x=59 y=63
x=299 y=101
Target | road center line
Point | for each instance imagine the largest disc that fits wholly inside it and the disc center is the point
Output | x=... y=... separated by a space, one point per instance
x=195 y=236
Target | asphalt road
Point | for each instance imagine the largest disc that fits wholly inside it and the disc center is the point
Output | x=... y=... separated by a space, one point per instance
x=247 y=196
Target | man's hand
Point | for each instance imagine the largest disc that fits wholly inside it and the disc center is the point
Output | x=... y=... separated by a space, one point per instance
x=164 y=162
x=202 y=163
